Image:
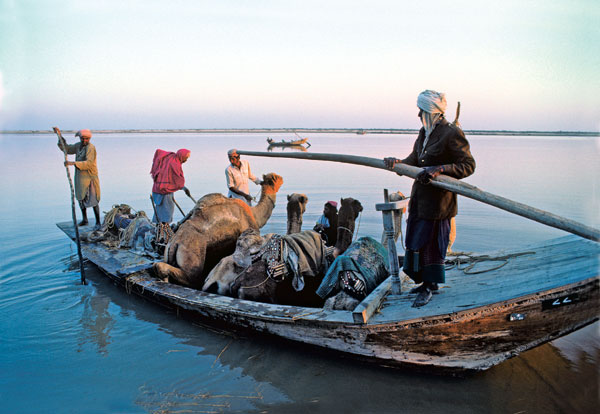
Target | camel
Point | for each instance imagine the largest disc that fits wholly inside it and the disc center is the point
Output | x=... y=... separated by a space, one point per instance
x=248 y=244
x=211 y=233
x=295 y=209
x=229 y=267
x=254 y=283
x=349 y=211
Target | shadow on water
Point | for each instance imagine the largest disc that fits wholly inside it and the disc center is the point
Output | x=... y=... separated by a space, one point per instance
x=540 y=380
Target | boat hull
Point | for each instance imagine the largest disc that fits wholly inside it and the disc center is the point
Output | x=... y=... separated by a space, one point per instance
x=472 y=340
x=464 y=338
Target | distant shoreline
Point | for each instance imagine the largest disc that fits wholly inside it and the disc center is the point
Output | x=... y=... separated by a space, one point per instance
x=359 y=131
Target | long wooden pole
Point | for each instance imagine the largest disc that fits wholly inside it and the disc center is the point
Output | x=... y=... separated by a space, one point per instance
x=454 y=185
x=63 y=144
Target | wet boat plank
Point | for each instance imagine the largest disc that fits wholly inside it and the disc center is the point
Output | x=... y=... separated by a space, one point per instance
x=555 y=263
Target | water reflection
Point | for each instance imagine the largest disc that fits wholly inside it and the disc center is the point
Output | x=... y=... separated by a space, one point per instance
x=96 y=322
x=290 y=377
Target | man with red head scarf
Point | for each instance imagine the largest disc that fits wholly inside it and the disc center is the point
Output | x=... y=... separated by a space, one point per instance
x=441 y=147
x=87 y=184
x=167 y=175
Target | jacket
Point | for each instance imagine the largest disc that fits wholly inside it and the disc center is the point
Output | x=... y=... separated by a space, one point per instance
x=447 y=146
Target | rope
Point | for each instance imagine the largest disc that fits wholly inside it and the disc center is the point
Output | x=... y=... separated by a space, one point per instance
x=473 y=260
x=355 y=232
x=347 y=229
x=126 y=235
x=109 y=218
x=255 y=286
x=357 y=227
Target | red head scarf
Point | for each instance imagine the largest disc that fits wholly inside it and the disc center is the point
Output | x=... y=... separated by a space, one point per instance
x=166 y=171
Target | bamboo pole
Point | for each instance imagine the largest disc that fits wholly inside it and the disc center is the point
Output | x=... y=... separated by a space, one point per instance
x=180 y=209
x=63 y=144
x=451 y=184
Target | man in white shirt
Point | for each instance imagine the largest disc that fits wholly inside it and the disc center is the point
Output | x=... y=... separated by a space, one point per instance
x=237 y=174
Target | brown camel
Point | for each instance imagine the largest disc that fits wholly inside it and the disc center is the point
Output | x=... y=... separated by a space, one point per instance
x=295 y=209
x=227 y=270
x=349 y=211
x=254 y=283
x=248 y=244
x=211 y=233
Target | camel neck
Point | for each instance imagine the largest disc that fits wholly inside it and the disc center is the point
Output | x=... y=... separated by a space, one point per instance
x=263 y=209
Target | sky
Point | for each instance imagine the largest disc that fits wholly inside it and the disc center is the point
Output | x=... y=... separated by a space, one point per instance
x=137 y=64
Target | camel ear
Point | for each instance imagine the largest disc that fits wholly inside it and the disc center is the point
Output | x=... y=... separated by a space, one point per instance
x=289 y=196
x=358 y=206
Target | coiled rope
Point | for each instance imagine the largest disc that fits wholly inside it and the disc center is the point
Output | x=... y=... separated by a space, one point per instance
x=470 y=259
x=126 y=235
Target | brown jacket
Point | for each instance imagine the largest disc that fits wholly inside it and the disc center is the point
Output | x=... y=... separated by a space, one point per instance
x=86 y=170
x=447 y=146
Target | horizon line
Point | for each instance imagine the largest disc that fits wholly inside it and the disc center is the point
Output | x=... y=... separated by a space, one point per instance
x=359 y=131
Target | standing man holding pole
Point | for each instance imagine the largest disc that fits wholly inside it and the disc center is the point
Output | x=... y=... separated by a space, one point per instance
x=167 y=175
x=440 y=148
x=87 y=184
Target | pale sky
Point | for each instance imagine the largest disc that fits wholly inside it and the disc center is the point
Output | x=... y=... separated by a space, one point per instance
x=111 y=64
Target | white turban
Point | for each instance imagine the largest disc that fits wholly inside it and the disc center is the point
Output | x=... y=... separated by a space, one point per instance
x=432 y=102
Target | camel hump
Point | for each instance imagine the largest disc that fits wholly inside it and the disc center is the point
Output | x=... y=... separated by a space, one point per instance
x=210 y=200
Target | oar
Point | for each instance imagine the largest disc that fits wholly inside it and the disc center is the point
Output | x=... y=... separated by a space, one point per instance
x=63 y=144
x=454 y=185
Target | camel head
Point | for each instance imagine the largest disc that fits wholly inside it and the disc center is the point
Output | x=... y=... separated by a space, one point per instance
x=296 y=207
x=349 y=211
x=247 y=245
x=271 y=183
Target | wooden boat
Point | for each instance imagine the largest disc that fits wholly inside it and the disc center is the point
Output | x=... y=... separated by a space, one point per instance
x=284 y=143
x=545 y=291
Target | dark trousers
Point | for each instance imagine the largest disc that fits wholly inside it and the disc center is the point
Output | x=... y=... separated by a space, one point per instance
x=426 y=246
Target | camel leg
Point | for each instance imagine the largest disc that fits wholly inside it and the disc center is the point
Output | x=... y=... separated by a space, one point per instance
x=190 y=262
x=166 y=272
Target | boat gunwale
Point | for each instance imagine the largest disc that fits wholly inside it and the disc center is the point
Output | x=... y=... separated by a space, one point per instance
x=297 y=314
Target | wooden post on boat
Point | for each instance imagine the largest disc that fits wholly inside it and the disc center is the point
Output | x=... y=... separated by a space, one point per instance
x=452 y=184
x=63 y=144
x=386 y=209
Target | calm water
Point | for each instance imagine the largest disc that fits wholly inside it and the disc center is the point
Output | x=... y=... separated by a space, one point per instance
x=65 y=347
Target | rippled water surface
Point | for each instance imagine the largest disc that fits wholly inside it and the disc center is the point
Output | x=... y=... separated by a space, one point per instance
x=65 y=347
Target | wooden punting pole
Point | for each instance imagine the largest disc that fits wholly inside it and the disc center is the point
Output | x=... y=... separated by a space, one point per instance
x=63 y=144
x=454 y=185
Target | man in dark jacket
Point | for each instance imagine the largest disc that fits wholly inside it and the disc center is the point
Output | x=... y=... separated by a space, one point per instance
x=440 y=148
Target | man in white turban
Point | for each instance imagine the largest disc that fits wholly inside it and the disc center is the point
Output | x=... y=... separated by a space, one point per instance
x=440 y=148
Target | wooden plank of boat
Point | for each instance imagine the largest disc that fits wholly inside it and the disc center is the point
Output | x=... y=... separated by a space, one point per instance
x=477 y=321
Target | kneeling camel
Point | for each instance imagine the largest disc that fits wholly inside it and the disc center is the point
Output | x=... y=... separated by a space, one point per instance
x=211 y=233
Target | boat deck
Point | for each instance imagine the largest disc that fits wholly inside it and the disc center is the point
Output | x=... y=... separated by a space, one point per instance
x=554 y=263
x=546 y=266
